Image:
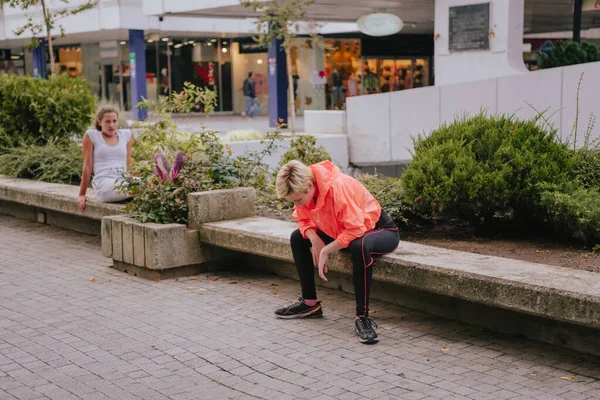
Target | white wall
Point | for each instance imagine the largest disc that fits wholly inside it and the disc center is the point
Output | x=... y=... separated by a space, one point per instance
x=504 y=58
x=381 y=126
x=336 y=146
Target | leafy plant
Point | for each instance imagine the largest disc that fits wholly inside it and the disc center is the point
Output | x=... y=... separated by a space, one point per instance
x=35 y=110
x=304 y=148
x=389 y=192
x=159 y=134
x=587 y=168
x=569 y=53
x=250 y=166
x=189 y=99
x=574 y=210
x=242 y=135
x=483 y=168
x=56 y=161
x=161 y=200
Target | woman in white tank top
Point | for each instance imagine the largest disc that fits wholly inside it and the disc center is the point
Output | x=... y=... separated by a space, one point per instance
x=106 y=154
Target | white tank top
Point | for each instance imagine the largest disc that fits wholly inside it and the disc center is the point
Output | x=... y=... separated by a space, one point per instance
x=109 y=161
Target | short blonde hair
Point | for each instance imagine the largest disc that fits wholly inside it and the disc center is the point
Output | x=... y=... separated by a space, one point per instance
x=293 y=177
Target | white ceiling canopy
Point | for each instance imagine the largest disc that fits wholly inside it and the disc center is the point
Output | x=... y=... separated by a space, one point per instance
x=380 y=24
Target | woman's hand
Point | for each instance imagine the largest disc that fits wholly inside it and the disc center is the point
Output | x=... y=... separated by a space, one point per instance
x=323 y=264
x=81 y=202
x=317 y=245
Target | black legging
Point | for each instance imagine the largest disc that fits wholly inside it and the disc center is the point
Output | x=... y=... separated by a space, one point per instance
x=381 y=240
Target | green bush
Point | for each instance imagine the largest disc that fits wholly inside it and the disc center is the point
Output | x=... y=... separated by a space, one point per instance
x=587 y=167
x=482 y=168
x=573 y=210
x=159 y=134
x=165 y=201
x=57 y=161
x=155 y=200
x=304 y=148
x=240 y=135
x=38 y=110
x=569 y=53
x=389 y=192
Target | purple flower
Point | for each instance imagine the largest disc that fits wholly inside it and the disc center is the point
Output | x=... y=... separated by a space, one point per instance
x=177 y=164
x=162 y=167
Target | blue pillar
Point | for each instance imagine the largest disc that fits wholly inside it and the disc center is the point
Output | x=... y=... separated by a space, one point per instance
x=39 y=60
x=137 y=67
x=278 y=106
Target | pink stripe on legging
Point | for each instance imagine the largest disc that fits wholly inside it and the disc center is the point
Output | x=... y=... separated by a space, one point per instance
x=365 y=261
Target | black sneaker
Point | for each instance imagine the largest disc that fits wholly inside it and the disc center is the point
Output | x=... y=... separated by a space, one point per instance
x=300 y=310
x=364 y=329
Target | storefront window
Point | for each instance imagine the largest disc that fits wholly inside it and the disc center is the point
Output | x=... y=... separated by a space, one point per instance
x=12 y=61
x=350 y=74
x=68 y=61
x=204 y=62
x=248 y=56
x=342 y=68
x=389 y=75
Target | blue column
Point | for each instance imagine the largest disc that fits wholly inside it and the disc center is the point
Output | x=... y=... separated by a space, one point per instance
x=137 y=66
x=278 y=106
x=39 y=60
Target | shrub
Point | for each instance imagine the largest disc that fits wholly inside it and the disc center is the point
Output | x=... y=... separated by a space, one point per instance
x=389 y=192
x=484 y=167
x=155 y=199
x=243 y=134
x=37 y=110
x=574 y=210
x=57 y=162
x=304 y=148
x=569 y=53
x=158 y=200
x=587 y=167
x=159 y=133
x=250 y=166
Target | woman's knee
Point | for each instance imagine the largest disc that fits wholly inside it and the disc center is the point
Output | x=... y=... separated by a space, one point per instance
x=356 y=246
x=296 y=237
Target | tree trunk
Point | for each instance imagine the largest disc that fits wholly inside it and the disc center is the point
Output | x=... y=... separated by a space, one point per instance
x=49 y=37
x=288 y=58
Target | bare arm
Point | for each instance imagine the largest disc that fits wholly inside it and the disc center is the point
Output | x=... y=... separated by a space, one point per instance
x=87 y=148
x=129 y=148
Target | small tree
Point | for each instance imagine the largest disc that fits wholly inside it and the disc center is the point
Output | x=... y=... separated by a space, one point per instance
x=281 y=19
x=49 y=21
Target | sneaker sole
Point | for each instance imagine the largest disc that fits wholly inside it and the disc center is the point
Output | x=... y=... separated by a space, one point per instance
x=312 y=314
x=366 y=341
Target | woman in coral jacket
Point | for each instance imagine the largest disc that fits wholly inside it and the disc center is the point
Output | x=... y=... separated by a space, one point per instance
x=334 y=211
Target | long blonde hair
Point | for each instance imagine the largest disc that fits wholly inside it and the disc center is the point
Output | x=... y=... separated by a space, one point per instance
x=293 y=177
x=100 y=114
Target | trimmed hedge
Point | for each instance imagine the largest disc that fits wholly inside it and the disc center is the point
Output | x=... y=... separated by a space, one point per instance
x=484 y=168
x=37 y=110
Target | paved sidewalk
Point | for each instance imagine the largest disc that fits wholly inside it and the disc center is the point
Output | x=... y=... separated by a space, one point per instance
x=64 y=335
x=226 y=123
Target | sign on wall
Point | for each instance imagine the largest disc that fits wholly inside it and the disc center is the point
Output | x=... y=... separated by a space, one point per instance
x=469 y=27
x=109 y=49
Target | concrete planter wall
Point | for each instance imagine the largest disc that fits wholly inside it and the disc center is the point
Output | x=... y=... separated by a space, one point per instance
x=154 y=250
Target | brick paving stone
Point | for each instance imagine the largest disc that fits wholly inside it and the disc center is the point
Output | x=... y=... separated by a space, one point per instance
x=65 y=337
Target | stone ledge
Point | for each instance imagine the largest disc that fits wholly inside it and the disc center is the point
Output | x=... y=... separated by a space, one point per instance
x=220 y=205
x=55 y=197
x=154 y=246
x=555 y=293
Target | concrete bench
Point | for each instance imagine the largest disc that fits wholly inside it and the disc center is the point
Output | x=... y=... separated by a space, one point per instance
x=549 y=303
x=324 y=121
x=54 y=204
